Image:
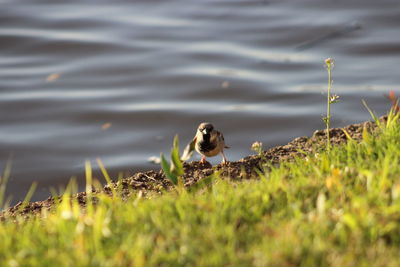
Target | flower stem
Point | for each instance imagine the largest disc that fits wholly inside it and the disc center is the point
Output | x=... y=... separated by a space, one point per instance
x=328 y=108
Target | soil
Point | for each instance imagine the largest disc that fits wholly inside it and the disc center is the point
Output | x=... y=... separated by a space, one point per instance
x=151 y=182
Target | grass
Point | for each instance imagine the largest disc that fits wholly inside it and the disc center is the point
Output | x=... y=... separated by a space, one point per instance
x=338 y=207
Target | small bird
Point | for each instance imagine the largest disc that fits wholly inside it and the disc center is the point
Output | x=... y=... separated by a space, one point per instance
x=208 y=142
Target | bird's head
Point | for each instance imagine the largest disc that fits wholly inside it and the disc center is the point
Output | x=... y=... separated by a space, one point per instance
x=205 y=128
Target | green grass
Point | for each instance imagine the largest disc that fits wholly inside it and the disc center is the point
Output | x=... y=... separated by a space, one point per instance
x=340 y=208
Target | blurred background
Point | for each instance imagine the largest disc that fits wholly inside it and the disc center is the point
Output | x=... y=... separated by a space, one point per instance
x=116 y=80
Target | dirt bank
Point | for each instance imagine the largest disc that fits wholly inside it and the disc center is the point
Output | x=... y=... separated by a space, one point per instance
x=155 y=181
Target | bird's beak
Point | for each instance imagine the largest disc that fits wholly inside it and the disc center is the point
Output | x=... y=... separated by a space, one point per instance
x=204 y=131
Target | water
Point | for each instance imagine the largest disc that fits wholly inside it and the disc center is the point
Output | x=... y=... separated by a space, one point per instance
x=85 y=80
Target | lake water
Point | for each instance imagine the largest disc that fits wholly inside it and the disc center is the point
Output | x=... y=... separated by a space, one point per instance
x=117 y=80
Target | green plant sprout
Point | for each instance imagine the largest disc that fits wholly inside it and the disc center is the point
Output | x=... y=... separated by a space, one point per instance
x=331 y=99
x=174 y=170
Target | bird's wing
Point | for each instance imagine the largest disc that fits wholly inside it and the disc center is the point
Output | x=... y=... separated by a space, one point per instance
x=188 y=151
x=221 y=136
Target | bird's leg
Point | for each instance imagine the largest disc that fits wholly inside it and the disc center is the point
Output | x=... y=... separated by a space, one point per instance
x=203 y=159
x=224 y=160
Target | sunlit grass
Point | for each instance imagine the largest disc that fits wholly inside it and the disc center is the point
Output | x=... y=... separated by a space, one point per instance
x=336 y=208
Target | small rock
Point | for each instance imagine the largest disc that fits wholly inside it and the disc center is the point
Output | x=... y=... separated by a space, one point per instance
x=154 y=159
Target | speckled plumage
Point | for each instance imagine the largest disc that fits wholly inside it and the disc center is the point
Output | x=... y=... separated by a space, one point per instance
x=209 y=142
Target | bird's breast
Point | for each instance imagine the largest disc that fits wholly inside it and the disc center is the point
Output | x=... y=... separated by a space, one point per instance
x=206 y=146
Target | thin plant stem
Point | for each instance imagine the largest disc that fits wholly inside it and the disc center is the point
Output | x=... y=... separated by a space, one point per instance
x=328 y=108
x=329 y=100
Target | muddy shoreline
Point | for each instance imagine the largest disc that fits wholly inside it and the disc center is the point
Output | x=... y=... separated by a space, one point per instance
x=155 y=181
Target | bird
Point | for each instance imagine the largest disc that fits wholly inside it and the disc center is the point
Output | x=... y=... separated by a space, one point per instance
x=208 y=142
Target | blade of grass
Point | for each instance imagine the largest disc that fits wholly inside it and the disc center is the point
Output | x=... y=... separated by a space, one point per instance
x=348 y=136
x=88 y=172
x=3 y=183
x=374 y=117
x=106 y=176
x=28 y=197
